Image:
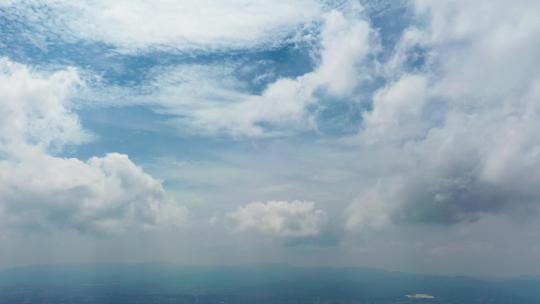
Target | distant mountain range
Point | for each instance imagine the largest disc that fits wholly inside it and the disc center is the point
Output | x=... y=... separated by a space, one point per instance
x=169 y=283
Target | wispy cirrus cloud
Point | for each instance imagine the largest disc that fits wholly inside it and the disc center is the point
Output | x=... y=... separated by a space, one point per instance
x=185 y=26
x=209 y=99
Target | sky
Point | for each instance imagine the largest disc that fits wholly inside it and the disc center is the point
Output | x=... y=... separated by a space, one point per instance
x=402 y=135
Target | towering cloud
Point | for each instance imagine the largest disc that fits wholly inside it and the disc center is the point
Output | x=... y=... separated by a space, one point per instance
x=462 y=129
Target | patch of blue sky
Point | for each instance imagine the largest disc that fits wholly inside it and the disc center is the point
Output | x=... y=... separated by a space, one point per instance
x=416 y=60
x=256 y=68
x=390 y=19
x=264 y=67
x=141 y=133
x=338 y=117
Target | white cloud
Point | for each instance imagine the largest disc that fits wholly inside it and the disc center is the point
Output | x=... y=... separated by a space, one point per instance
x=207 y=99
x=397 y=111
x=345 y=42
x=280 y=218
x=104 y=194
x=460 y=136
x=35 y=108
x=135 y=25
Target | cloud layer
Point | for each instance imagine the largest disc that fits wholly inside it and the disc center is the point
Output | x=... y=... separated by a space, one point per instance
x=412 y=124
x=133 y=26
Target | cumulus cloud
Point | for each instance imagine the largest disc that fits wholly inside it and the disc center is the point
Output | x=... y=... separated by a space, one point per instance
x=105 y=194
x=280 y=218
x=461 y=133
x=38 y=189
x=35 y=108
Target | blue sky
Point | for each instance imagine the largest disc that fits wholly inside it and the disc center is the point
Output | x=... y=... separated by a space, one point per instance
x=393 y=134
